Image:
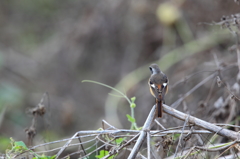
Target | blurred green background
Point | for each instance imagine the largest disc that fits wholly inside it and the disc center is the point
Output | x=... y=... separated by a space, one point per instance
x=51 y=46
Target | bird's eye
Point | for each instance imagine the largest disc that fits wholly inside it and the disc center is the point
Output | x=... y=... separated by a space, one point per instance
x=151 y=69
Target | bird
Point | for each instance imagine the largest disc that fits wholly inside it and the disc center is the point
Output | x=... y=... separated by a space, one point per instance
x=158 y=85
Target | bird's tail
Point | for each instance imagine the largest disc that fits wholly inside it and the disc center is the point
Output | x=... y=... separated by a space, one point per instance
x=159 y=108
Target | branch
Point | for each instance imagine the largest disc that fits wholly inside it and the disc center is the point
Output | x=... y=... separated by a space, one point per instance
x=200 y=123
x=143 y=133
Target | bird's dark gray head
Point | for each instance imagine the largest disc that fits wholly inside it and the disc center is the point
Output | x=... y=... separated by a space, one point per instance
x=154 y=68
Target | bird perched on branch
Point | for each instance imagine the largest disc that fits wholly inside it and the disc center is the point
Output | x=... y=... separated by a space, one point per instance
x=158 y=84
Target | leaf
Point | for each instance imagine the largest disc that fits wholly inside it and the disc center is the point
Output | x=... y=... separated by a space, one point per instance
x=119 y=141
x=100 y=129
x=52 y=157
x=131 y=119
x=175 y=136
x=102 y=154
x=19 y=146
x=133 y=99
x=20 y=143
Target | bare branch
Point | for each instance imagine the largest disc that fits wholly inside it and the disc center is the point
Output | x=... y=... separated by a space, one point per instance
x=200 y=123
x=143 y=133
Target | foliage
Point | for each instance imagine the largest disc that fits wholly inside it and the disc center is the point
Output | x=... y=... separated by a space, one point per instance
x=18 y=147
x=104 y=153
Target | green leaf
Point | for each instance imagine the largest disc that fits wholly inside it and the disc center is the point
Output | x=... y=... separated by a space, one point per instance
x=53 y=157
x=131 y=119
x=19 y=146
x=100 y=129
x=102 y=154
x=133 y=99
x=176 y=136
x=20 y=143
x=119 y=141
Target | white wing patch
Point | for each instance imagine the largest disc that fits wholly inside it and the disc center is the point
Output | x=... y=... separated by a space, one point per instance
x=152 y=85
x=164 y=84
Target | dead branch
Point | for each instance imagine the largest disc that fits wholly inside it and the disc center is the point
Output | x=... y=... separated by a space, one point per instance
x=201 y=123
x=143 y=134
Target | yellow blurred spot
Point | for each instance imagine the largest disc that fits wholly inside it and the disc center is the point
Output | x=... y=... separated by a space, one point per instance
x=167 y=13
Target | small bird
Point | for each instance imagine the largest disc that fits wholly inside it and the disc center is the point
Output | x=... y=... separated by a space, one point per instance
x=158 y=84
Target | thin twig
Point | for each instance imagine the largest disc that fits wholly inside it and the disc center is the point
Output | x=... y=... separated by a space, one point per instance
x=178 y=102
x=104 y=122
x=66 y=145
x=186 y=78
x=180 y=138
x=122 y=146
x=227 y=125
x=216 y=149
x=210 y=92
x=159 y=124
x=189 y=152
x=225 y=151
x=81 y=145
